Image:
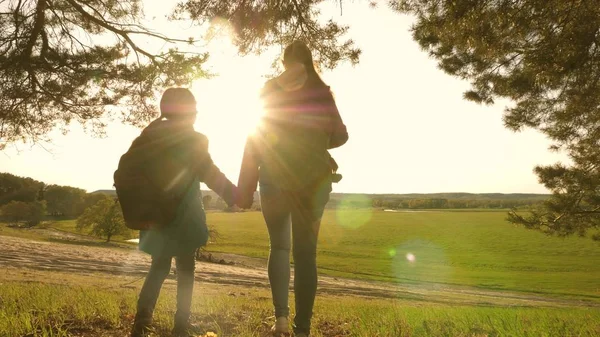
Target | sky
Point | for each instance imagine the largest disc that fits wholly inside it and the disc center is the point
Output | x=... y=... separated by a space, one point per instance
x=410 y=129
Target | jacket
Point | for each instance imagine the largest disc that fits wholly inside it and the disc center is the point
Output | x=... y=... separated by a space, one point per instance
x=176 y=158
x=289 y=148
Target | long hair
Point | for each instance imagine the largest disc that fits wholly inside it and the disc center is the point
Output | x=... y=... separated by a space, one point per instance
x=298 y=52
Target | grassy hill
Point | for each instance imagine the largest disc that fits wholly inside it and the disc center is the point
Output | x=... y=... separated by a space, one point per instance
x=470 y=248
x=107 y=192
x=452 y=266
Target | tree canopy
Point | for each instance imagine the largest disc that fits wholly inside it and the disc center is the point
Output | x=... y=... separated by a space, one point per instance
x=543 y=55
x=64 y=200
x=104 y=219
x=29 y=212
x=13 y=188
x=258 y=25
x=75 y=60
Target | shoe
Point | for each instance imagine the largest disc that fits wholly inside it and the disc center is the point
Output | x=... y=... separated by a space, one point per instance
x=185 y=330
x=141 y=325
x=140 y=331
x=282 y=326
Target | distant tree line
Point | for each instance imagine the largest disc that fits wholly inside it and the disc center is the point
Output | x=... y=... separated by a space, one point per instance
x=58 y=201
x=408 y=201
x=26 y=202
x=213 y=202
x=437 y=203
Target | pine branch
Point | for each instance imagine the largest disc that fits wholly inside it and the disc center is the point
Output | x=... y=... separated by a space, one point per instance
x=123 y=34
x=38 y=25
x=142 y=30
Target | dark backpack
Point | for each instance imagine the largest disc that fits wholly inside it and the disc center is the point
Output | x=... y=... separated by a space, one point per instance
x=145 y=202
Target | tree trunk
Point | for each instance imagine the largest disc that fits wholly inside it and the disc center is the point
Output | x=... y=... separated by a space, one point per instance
x=108 y=238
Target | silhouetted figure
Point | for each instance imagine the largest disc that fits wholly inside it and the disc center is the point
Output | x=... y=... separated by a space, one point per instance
x=288 y=156
x=176 y=158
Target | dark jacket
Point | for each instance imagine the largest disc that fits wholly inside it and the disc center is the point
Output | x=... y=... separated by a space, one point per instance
x=176 y=158
x=289 y=148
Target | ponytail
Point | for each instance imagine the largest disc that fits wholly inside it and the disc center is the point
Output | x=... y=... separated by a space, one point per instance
x=298 y=52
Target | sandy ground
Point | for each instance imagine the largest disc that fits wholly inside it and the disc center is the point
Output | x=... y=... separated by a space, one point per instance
x=93 y=258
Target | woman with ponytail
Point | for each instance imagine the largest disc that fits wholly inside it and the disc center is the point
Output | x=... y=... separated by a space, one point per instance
x=288 y=156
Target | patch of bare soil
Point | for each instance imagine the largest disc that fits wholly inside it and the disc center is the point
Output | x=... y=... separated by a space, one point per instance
x=247 y=272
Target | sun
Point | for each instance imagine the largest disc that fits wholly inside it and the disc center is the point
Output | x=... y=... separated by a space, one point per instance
x=229 y=110
x=228 y=104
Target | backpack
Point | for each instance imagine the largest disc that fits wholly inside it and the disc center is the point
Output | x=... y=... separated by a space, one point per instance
x=145 y=204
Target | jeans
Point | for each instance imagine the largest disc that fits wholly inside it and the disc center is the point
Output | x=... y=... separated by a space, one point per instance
x=297 y=213
x=159 y=270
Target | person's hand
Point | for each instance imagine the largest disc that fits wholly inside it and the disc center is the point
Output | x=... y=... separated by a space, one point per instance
x=244 y=201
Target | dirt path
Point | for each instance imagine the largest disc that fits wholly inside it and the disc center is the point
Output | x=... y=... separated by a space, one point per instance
x=60 y=257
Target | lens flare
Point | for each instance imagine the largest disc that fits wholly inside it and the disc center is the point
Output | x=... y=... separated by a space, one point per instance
x=392 y=252
x=431 y=267
x=354 y=211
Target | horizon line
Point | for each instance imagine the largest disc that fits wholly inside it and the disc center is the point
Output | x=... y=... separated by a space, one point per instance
x=390 y=193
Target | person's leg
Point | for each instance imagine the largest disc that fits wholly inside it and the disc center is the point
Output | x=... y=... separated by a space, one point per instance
x=277 y=217
x=185 y=287
x=159 y=270
x=307 y=212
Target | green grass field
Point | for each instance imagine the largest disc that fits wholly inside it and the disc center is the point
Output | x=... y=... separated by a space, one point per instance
x=472 y=248
x=478 y=249
x=467 y=248
x=85 y=307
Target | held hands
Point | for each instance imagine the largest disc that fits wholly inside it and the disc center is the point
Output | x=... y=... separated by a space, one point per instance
x=245 y=203
x=237 y=199
x=244 y=200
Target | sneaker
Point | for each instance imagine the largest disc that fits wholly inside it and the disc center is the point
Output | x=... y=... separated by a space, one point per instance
x=141 y=327
x=282 y=326
x=187 y=330
x=140 y=332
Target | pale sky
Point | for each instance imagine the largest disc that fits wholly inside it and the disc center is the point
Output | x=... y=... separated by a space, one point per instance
x=410 y=130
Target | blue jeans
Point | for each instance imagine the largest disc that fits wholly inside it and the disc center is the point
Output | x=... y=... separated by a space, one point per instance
x=159 y=270
x=297 y=213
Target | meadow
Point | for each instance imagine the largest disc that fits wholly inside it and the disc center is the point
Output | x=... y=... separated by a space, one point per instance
x=470 y=248
x=72 y=305
x=467 y=250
